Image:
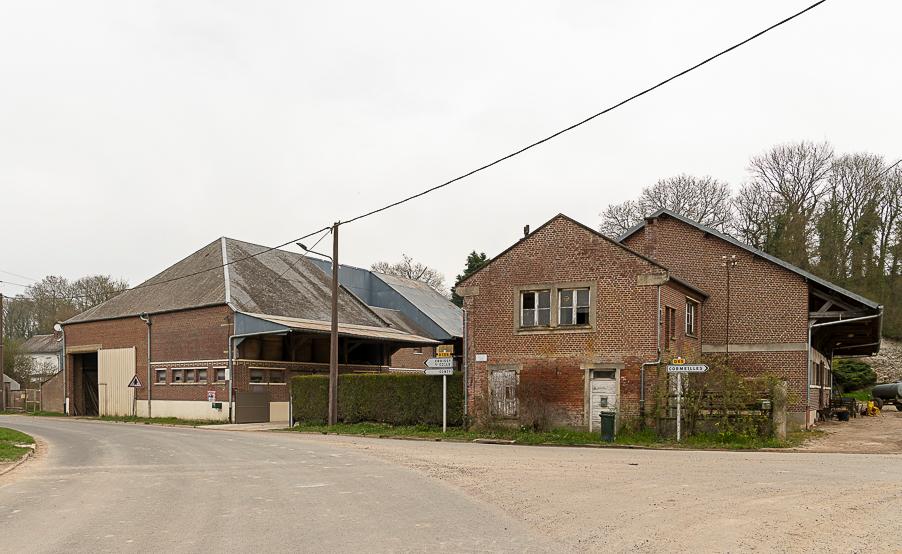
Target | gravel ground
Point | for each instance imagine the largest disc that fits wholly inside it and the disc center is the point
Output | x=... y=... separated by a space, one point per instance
x=864 y=435
x=616 y=500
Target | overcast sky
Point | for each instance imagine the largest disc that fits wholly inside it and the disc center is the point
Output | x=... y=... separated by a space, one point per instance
x=134 y=133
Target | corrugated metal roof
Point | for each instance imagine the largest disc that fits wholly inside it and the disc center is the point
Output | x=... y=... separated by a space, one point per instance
x=43 y=344
x=344 y=329
x=398 y=320
x=275 y=282
x=438 y=308
x=784 y=264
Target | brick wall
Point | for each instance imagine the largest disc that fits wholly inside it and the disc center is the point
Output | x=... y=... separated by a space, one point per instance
x=768 y=304
x=624 y=335
x=409 y=358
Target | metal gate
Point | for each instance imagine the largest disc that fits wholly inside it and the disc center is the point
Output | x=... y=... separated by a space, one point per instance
x=115 y=369
x=252 y=406
x=503 y=383
x=602 y=394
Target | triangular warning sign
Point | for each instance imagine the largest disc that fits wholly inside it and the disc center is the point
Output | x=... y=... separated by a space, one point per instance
x=134 y=383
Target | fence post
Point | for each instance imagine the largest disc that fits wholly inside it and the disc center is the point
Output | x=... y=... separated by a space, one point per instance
x=778 y=410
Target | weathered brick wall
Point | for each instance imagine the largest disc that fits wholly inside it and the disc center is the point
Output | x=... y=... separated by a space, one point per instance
x=625 y=333
x=408 y=358
x=768 y=303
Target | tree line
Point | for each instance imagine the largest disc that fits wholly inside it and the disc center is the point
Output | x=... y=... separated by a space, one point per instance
x=837 y=215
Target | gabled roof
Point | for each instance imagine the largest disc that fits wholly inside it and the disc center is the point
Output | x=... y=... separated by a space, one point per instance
x=42 y=344
x=598 y=234
x=256 y=280
x=438 y=308
x=784 y=264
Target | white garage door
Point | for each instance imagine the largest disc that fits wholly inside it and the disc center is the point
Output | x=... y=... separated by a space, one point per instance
x=602 y=394
x=115 y=369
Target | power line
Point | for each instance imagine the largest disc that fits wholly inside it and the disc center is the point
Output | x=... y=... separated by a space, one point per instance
x=220 y=266
x=16 y=284
x=588 y=119
x=304 y=255
x=18 y=275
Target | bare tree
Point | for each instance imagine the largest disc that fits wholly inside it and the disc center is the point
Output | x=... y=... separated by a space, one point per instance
x=413 y=270
x=702 y=199
x=92 y=290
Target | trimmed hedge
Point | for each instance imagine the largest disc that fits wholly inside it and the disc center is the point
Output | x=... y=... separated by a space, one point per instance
x=395 y=398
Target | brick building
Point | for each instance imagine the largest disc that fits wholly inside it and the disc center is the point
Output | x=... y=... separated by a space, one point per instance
x=218 y=335
x=580 y=318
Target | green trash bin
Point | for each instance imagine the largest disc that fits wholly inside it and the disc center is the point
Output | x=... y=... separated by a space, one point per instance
x=607 y=426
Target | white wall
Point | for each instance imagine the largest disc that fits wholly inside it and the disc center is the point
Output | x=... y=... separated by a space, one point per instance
x=184 y=409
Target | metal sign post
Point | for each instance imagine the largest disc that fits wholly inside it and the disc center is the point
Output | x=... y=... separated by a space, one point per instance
x=442 y=364
x=679 y=366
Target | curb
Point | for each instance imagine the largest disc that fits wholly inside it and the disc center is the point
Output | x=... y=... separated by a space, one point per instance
x=20 y=461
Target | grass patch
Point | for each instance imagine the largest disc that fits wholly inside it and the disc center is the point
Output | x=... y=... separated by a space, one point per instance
x=562 y=437
x=862 y=395
x=9 y=438
x=159 y=420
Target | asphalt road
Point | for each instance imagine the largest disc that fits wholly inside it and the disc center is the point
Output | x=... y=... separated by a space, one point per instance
x=101 y=487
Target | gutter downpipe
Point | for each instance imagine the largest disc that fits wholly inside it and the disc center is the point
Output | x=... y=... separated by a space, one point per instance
x=145 y=317
x=231 y=365
x=464 y=363
x=656 y=362
x=812 y=325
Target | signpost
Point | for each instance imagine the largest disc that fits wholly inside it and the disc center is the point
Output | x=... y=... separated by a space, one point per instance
x=442 y=364
x=679 y=366
x=134 y=384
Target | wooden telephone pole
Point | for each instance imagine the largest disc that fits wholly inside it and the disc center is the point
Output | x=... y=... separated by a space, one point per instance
x=2 y=368
x=333 y=355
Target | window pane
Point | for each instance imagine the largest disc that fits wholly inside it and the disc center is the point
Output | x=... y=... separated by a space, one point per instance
x=566 y=298
x=201 y=375
x=566 y=316
x=220 y=374
x=189 y=376
x=177 y=376
x=529 y=318
x=161 y=376
x=529 y=300
x=545 y=316
x=276 y=376
x=582 y=315
x=582 y=297
x=544 y=299
x=256 y=376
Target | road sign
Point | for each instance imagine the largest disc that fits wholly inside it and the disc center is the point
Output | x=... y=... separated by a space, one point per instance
x=134 y=383
x=439 y=371
x=434 y=363
x=687 y=368
x=444 y=350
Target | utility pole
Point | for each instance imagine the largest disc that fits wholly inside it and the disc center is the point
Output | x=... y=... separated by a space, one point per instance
x=333 y=355
x=2 y=368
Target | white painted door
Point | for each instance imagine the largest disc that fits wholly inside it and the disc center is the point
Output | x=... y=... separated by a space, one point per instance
x=115 y=369
x=602 y=394
x=503 y=384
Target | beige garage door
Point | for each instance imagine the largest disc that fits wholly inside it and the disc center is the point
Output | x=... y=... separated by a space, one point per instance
x=115 y=369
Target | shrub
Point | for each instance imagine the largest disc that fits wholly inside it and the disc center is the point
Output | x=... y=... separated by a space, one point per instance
x=850 y=375
x=394 y=398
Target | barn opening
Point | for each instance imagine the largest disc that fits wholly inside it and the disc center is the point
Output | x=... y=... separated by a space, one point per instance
x=84 y=371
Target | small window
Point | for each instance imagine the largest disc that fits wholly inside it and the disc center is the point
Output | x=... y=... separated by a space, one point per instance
x=201 y=375
x=574 y=307
x=190 y=375
x=257 y=376
x=603 y=374
x=276 y=376
x=161 y=377
x=220 y=374
x=535 y=308
x=178 y=375
x=691 y=314
x=418 y=350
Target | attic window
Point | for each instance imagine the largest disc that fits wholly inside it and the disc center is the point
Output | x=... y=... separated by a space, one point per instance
x=535 y=308
x=574 y=304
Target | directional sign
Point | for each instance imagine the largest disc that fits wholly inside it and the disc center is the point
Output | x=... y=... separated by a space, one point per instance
x=687 y=368
x=439 y=371
x=134 y=383
x=434 y=363
x=444 y=350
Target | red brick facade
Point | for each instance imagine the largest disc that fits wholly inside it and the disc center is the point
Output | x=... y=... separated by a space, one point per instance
x=412 y=358
x=621 y=334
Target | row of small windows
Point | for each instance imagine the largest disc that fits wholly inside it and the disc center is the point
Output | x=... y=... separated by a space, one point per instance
x=573 y=307
x=192 y=375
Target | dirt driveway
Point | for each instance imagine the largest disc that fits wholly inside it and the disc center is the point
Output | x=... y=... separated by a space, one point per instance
x=863 y=435
x=616 y=500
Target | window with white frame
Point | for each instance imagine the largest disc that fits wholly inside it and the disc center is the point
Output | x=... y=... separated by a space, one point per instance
x=691 y=316
x=535 y=308
x=574 y=306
